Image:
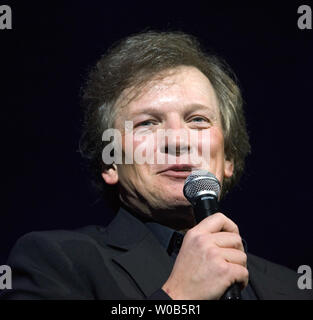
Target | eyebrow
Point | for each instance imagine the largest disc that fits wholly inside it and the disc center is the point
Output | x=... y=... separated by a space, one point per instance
x=188 y=108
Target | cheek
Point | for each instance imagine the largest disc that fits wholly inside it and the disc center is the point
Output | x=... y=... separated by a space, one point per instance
x=209 y=143
x=216 y=143
x=136 y=152
x=200 y=140
x=139 y=149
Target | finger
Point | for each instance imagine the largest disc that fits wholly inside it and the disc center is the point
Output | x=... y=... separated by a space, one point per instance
x=239 y=273
x=228 y=240
x=217 y=222
x=234 y=256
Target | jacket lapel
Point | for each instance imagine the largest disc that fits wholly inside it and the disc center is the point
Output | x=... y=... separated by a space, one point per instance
x=144 y=259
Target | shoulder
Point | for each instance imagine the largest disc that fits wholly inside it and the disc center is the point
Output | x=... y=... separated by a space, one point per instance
x=55 y=239
x=60 y=247
x=275 y=281
x=62 y=235
x=58 y=264
x=271 y=268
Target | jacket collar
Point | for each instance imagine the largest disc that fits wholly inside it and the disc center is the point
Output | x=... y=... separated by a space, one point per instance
x=149 y=271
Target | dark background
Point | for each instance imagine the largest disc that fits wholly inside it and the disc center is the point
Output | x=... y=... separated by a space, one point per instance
x=45 y=59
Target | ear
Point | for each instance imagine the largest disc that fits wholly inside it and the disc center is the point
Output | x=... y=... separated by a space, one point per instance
x=228 y=168
x=110 y=175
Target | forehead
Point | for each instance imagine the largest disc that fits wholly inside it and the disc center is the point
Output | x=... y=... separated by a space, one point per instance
x=177 y=88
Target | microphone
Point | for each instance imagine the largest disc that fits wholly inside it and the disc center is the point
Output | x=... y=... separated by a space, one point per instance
x=202 y=189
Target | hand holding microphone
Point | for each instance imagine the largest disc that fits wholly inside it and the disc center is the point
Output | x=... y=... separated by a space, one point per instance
x=211 y=262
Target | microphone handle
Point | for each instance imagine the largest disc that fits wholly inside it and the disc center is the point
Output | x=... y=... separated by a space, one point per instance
x=207 y=205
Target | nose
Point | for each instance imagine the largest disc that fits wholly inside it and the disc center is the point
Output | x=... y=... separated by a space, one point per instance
x=175 y=138
x=176 y=144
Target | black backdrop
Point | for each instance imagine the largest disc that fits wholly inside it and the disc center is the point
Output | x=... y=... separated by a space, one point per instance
x=44 y=61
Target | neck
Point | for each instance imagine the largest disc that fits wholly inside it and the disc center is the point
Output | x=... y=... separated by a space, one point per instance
x=178 y=218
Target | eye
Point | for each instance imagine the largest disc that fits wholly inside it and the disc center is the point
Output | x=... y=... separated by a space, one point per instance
x=199 y=119
x=199 y=122
x=145 y=123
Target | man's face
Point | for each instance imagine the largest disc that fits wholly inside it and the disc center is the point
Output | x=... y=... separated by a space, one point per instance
x=185 y=103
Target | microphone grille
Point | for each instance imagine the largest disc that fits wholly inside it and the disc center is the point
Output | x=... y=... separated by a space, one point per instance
x=199 y=181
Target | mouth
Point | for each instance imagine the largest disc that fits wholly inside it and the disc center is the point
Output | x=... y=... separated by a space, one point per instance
x=179 y=171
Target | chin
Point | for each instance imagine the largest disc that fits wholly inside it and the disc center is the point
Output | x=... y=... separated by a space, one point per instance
x=177 y=202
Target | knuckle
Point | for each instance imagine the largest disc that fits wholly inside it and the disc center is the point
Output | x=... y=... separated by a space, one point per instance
x=213 y=252
x=223 y=217
x=246 y=274
x=190 y=234
x=195 y=237
x=245 y=258
x=242 y=258
x=223 y=268
x=236 y=229
x=219 y=215
x=237 y=241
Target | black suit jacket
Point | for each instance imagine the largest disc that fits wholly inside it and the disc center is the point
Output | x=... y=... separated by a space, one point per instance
x=121 y=261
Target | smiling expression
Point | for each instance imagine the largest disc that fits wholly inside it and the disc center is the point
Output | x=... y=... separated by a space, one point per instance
x=183 y=100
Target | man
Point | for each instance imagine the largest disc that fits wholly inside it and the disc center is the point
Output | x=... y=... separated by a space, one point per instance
x=146 y=84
